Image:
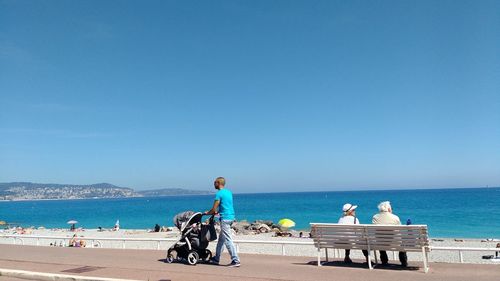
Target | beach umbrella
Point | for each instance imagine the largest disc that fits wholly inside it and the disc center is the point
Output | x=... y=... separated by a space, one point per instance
x=286 y=223
x=72 y=222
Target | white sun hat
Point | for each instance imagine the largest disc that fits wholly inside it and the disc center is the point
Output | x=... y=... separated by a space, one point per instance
x=349 y=207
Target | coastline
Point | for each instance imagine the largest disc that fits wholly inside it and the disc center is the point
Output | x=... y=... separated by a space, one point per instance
x=264 y=193
x=99 y=198
x=67 y=199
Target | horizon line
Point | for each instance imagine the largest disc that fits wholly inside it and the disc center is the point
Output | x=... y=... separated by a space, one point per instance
x=271 y=192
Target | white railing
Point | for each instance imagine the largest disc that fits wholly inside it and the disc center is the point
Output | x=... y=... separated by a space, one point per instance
x=460 y=250
x=93 y=240
x=282 y=243
x=97 y=241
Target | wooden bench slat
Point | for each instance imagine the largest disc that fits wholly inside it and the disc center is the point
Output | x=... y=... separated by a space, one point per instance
x=342 y=242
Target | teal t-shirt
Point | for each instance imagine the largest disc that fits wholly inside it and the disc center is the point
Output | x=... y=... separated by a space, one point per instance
x=226 y=209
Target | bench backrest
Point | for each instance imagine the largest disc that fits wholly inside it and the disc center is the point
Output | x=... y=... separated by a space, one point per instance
x=410 y=238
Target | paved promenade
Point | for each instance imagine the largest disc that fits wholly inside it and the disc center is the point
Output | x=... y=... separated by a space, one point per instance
x=148 y=265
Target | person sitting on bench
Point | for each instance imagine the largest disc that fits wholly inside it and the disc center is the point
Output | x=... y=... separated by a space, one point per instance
x=385 y=216
x=349 y=217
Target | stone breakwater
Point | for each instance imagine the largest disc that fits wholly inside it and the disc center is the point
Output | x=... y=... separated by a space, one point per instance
x=261 y=227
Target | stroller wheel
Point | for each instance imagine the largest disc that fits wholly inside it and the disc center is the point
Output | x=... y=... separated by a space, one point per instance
x=192 y=258
x=208 y=255
x=171 y=256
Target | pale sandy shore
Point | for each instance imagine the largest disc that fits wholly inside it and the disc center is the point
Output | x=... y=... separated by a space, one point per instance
x=291 y=250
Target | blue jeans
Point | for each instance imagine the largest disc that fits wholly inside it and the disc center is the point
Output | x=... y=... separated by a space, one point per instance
x=226 y=239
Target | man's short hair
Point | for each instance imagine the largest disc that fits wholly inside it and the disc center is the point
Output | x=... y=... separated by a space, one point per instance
x=221 y=180
x=384 y=206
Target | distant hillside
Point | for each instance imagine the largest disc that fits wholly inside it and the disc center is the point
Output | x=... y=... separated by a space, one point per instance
x=43 y=191
x=35 y=191
x=172 y=192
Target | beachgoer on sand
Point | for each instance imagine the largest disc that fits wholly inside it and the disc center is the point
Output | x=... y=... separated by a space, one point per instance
x=74 y=242
x=385 y=216
x=117 y=226
x=223 y=205
x=349 y=217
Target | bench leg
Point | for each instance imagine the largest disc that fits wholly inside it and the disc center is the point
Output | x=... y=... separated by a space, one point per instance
x=375 y=254
x=425 y=260
x=319 y=256
x=370 y=259
x=326 y=254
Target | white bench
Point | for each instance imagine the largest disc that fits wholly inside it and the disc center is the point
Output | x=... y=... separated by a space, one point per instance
x=401 y=238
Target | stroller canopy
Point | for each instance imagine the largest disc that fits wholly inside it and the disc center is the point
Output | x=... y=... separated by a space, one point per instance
x=184 y=219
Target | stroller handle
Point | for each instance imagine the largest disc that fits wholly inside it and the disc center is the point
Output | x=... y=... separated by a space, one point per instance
x=211 y=219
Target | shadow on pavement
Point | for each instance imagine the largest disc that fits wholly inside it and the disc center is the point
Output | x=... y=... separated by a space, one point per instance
x=362 y=265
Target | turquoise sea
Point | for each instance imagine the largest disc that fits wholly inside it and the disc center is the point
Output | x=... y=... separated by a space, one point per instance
x=464 y=213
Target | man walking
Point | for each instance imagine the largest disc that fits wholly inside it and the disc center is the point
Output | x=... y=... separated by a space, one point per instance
x=223 y=205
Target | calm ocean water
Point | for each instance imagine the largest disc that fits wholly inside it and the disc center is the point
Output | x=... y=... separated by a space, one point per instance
x=467 y=213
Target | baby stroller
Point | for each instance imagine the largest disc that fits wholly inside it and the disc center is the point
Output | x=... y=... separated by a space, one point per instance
x=195 y=237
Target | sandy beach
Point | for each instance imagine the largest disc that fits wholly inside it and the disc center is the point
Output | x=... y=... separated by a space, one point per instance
x=291 y=250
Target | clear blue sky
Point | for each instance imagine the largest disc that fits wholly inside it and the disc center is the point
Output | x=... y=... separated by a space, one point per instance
x=273 y=95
